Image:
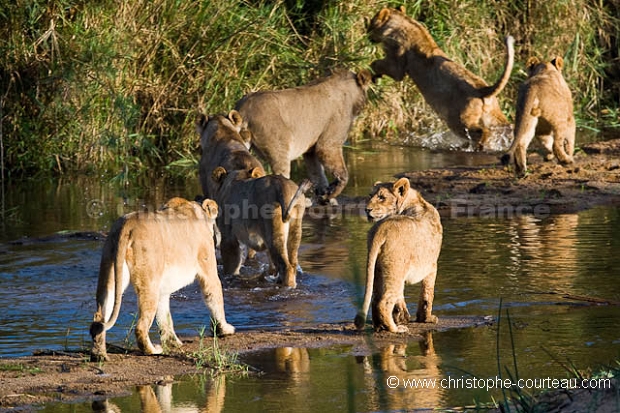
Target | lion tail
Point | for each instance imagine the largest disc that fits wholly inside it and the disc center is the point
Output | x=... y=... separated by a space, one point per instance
x=493 y=91
x=119 y=260
x=303 y=187
x=373 y=253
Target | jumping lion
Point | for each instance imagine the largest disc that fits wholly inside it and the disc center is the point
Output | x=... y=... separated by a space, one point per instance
x=544 y=110
x=159 y=253
x=403 y=247
x=463 y=100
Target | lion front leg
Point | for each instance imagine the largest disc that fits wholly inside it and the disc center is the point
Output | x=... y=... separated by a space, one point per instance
x=211 y=288
x=393 y=69
x=231 y=254
x=333 y=162
x=425 y=303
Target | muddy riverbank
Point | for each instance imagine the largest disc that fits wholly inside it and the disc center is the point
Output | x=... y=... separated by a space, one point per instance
x=488 y=191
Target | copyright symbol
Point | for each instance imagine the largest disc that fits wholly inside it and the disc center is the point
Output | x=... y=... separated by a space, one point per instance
x=393 y=382
x=95 y=208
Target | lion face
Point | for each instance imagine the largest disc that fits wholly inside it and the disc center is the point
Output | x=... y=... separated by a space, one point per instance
x=382 y=202
x=378 y=27
x=389 y=198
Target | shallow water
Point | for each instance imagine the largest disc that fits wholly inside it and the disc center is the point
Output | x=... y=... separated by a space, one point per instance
x=520 y=261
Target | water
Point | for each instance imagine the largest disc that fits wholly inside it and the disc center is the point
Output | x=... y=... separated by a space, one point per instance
x=528 y=263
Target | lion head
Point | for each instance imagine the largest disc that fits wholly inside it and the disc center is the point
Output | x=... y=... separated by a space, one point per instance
x=392 y=198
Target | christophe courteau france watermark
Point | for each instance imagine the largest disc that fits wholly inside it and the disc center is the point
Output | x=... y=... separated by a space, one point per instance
x=497 y=383
x=453 y=208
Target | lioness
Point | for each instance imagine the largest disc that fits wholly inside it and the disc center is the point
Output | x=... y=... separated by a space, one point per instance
x=545 y=110
x=312 y=120
x=463 y=100
x=222 y=146
x=262 y=212
x=159 y=253
x=403 y=247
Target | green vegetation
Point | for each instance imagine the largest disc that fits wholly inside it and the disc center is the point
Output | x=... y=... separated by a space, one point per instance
x=213 y=357
x=116 y=86
x=20 y=368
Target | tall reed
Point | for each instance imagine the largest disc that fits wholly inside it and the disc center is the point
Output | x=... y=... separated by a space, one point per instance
x=116 y=86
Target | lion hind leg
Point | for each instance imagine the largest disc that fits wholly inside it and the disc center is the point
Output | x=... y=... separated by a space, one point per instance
x=547 y=143
x=147 y=308
x=383 y=316
x=425 y=303
x=564 y=144
x=400 y=314
x=278 y=232
x=165 y=323
x=524 y=133
x=295 y=233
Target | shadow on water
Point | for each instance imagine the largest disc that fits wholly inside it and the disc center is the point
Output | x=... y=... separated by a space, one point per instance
x=540 y=267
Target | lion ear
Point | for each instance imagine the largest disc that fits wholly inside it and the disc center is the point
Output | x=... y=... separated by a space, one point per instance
x=201 y=123
x=401 y=187
x=383 y=16
x=401 y=9
x=236 y=118
x=363 y=78
x=256 y=172
x=219 y=174
x=558 y=62
x=210 y=207
x=530 y=64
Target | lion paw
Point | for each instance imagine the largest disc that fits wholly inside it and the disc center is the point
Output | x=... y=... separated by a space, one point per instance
x=226 y=329
x=402 y=329
x=432 y=319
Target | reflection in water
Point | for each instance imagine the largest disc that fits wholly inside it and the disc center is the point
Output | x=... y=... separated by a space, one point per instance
x=170 y=398
x=395 y=379
x=481 y=261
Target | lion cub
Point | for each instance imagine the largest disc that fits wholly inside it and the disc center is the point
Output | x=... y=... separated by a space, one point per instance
x=262 y=212
x=467 y=104
x=403 y=247
x=545 y=110
x=159 y=253
x=222 y=146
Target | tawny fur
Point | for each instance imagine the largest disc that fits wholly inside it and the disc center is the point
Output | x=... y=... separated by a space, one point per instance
x=403 y=247
x=544 y=110
x=312 y=120
x=222 y=146
x=158 y=253
x=261 y=212
x=467 y=104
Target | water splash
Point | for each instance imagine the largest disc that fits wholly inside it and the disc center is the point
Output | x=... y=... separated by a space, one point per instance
x=500 y=140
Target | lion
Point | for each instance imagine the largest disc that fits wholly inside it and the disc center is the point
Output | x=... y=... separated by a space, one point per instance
x=222 y=146
x=545 y=110
x=403 y=247
x=261 y=212
x=467 y=104
x=312 y=120
x=158 y=252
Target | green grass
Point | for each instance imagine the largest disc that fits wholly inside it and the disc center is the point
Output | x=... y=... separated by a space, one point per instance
x=103 y=87
x=20 y=368
x=214 y=358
